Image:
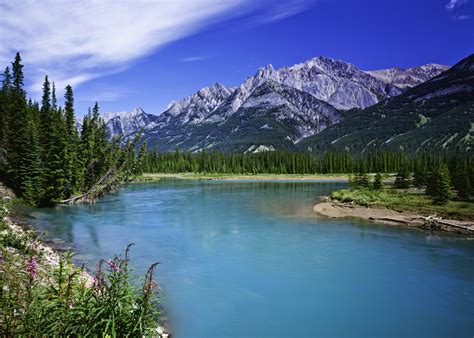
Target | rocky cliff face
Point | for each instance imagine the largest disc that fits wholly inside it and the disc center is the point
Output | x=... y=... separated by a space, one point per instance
x=435 y=116
x=274 y=108
x=129 y=123
x=408 y=78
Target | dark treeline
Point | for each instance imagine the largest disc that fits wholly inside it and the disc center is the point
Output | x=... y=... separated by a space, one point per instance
x=43 y=157
x=285 y=162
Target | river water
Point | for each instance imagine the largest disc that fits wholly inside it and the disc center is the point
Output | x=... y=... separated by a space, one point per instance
x=250 y=259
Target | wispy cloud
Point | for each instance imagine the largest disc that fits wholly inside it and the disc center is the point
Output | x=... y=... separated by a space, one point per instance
x=455 y=3
x=76 y=41
x=461 y=17
x=193 y=58
x=108 y=94
x=284 y=9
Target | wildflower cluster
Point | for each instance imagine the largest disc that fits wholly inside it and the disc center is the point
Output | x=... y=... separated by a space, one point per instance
x=38 y=300
x=31 y=267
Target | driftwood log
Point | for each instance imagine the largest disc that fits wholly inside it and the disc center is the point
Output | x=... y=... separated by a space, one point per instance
x=107 y=183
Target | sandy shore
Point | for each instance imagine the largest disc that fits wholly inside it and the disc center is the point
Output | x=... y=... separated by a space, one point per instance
x=335 y=209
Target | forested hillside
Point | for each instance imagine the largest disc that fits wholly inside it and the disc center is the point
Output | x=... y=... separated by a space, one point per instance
x=42 y=157
x=437 y=115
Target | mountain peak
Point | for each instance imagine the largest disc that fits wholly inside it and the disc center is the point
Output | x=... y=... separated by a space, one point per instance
x=265 y=72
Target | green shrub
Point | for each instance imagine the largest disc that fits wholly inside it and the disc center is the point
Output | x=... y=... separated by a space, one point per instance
x=37 y=300
x=378 y=182
x=403 y=179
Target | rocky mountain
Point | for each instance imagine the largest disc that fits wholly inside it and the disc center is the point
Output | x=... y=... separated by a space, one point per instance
x=274 y=116
x=437 y=115
x=129 y=123
x=270 y=110
x=198 y=107
x=338 y=83
x=408 y=78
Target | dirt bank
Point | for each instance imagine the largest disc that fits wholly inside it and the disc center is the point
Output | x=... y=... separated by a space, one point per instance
x=335 y=209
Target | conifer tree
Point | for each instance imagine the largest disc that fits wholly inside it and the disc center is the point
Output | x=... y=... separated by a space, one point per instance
x=419 y=178
x=45 y=117
x=74 y=165
x=5 y=99
x=442 y=191
x=56 y=178
x=402 y=180
x=24 y=164
x=141 y=159
x=461 y=182
x=54 y=101
x=378 y=182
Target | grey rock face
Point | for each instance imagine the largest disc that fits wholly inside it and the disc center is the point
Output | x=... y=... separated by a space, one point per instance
x=291 y=103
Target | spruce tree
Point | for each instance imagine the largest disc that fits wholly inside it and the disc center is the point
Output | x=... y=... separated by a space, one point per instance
x=24 y=164
x=74 y=164
x=45 y=117
x=402 y=180
x=378 y=182
x=419 y=178
x=56 y=178
x=460 y=180
x=442 y=180
x=5 y=101
x=141 y=159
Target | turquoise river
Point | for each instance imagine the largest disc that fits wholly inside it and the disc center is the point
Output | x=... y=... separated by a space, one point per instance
x=251 y=259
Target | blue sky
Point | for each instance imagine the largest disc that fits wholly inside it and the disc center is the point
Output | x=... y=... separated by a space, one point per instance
x=147 y=53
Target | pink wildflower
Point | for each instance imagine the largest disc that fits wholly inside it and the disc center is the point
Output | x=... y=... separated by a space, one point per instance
x=31 y=267
x=113 y=266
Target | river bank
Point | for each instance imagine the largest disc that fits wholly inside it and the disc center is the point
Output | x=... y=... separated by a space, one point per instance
x=334 y=209
x=147 y=177
x=37 y=275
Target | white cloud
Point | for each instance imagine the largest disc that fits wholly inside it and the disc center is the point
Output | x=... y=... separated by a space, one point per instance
x=455 y=3
x=461 y=17
x=284 y=9
x=193 y=58
x=76 y=41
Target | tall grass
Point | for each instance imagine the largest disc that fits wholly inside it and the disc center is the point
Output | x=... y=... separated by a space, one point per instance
x=38 y=299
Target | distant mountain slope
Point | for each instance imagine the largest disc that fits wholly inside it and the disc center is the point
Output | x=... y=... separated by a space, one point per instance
x=129 y=123
x=436 y=115
x=272 y=109
x=408 y=78
x=196 y=108
x=273 y=116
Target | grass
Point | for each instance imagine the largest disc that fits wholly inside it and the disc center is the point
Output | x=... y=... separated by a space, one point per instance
x=411 y=199
x=41 y=298
x=147 y=177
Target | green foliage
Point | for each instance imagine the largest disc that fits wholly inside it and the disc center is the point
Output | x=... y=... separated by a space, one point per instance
x=440 y=185
x=415 y=121
x=409 y=200
x=403 y=179
x=42 y=157
x=38 y=299
x=363 y=197
x=360 y=181
x=420 y=178
x=378 y=182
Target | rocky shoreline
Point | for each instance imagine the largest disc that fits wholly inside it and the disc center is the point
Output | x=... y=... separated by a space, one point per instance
x=334 y=209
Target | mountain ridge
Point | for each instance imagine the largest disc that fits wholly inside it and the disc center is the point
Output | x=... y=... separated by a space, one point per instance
x=197 y=121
